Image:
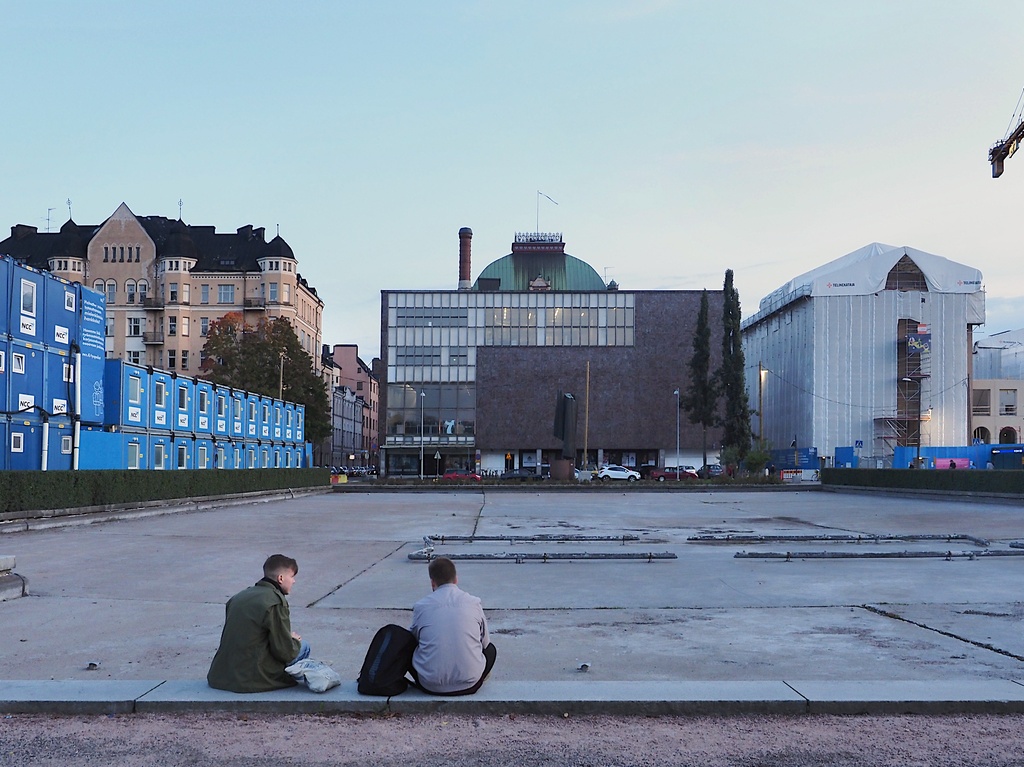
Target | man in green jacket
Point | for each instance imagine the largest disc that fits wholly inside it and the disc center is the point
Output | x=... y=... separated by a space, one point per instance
x=258 y=642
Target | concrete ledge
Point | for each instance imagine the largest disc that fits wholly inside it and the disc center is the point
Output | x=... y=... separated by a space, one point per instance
x=12 y=586
x=496 y=697
x=954 y=696
x=42 y=519
x=714 y=698
x=72 y=696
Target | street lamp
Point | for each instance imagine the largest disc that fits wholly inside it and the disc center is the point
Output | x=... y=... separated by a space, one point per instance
x=422 y=395
x=907 y=379
x=676 y=392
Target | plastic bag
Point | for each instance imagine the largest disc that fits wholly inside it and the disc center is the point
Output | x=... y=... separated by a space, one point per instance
x=315 y=674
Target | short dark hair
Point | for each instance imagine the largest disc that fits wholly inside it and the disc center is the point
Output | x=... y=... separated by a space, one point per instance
x=441 y=571
x=279 y=563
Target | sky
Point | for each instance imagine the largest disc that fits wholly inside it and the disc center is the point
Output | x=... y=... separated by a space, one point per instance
x=666 y=140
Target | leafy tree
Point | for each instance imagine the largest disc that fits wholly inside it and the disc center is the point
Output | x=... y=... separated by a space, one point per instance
x=267 y=359
x=701 y=401
x=736 y=419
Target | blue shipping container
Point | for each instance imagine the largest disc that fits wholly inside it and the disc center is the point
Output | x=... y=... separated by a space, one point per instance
x=25 y=308
x=204 y=406
x=60 y=442
x=161 y=396
x=6 y=267
x=26 y=444
x=91 y=340
x=184 y=405
x=184 y=453
x=25 y=378
x=59 y=380
x=126 y=395
x=60 y=313
x=205 y=454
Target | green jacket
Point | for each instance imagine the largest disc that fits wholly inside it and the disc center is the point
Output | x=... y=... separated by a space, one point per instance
x=256 y=643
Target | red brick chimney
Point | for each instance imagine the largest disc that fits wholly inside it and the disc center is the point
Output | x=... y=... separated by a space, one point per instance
x=465 y=248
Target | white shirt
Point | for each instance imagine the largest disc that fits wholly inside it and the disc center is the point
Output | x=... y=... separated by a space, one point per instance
x=450 y=627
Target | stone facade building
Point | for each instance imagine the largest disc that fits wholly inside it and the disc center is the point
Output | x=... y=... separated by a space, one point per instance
x=165 y=281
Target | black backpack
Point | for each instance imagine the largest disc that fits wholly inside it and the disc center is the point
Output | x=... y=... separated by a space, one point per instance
x=387 y=661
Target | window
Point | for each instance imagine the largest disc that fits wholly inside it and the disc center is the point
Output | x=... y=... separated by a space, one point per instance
x=134 y=326
x=1007 y=402
x=65 y=444
x=129 y=291
x=106 y=252
x=286 y=294
x=135 y=357
x=182 y=398
x=2 y=357
x=272 y=292
x=172 y=292
x=111 y=291
x=184 y=359
x=18 y=363
x=204 y=294
x=982 y=404
x=172 y=360
x=225 y=294
x=222 y=406
x=17 y=442
x=69 y=373
x=172 y=326
x=133 y=455
x=158 y=455
x=184 y=326
x=204 y=326
x=143 y=290
x=159 y=394
x=110 y=327
x=201 y=456
x=182 y=457
x=122 y=254
x=28 y=298
x=134 y=390
x=184 y=293
x=204 y=401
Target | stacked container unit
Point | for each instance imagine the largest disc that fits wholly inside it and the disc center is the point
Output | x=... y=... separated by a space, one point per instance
x=92 y=352
x=204 y=404
x=25 y=375
x=184 y=405
x=162 y=393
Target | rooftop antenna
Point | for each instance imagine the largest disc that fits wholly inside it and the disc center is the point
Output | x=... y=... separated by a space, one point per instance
x=179 y=208
x=278 y=230
x=69 y=208
x=539 y=195
x=606 y=273
x=48 y=210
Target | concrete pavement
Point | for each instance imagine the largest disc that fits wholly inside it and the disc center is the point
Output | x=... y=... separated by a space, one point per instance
x=125 y=615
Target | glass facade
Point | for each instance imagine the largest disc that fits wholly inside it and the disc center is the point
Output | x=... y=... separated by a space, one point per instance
x=432 y=340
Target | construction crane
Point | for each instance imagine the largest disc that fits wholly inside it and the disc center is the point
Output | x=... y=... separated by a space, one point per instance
x=1009 y=145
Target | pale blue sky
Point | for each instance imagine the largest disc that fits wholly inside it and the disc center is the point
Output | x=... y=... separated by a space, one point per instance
x=678 y=138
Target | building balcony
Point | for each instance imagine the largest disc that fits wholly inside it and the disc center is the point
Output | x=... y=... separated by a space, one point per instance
x=153 y=337
x=255 y=303
x=150 y=302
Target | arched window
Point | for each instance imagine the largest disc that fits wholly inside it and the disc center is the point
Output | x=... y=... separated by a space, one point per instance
x=1008 y=436
x=983 y=435
x=143 y=288
x=99 y=286
x=111 y=291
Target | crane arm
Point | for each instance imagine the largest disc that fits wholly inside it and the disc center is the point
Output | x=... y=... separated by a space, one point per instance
x=1004 y=149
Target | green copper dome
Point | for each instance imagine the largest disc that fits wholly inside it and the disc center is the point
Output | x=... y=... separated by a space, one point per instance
x=543 y=257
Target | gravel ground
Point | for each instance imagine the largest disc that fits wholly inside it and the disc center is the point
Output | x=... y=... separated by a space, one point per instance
x=298 y=741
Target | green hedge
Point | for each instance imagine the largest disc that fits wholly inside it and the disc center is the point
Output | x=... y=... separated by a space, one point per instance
x=33 y=490
x=946 y=480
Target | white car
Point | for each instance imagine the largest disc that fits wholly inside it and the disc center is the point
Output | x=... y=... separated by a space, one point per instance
x=617 y=472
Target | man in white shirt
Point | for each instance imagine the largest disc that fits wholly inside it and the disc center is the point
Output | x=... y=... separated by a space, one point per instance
x=454 y=654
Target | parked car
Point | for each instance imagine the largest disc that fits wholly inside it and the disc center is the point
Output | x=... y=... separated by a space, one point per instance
x=617 y=472
x=710 y=470
x=669 y=473
x=460 y=475
x=520 y=475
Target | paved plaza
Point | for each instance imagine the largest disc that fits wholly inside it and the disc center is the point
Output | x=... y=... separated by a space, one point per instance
x=142 y=599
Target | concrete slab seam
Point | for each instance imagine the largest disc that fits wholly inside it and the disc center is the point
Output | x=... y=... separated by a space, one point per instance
x=949 y=634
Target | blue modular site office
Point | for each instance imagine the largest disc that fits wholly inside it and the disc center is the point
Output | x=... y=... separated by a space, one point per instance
x=63 y=405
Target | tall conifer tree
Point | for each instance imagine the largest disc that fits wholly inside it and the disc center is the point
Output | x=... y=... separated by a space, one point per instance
x=731 y=375
x=701 y=401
